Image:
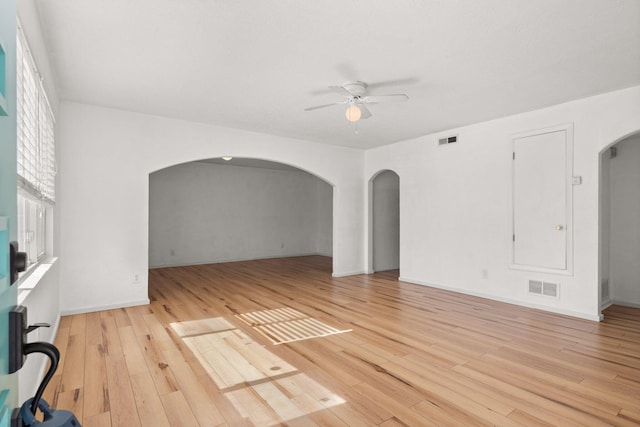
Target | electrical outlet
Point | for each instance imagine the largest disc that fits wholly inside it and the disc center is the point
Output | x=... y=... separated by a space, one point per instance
x=485 y=274
x=136 y=278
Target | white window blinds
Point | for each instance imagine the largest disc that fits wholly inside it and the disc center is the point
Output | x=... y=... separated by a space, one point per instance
x=36 y=128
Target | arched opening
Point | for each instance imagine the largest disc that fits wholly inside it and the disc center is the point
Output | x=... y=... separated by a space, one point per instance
x=619 y=226
x=212 y=211
x=384 y=215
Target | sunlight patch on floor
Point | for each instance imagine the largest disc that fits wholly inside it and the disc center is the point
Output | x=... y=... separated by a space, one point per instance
x=231 y=358
x=285 y=399
x=202 y=326
x=285 y=325
x=262 y=387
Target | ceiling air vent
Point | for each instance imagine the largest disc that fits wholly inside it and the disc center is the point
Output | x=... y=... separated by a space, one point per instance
x=448 y=140
x=548 y=289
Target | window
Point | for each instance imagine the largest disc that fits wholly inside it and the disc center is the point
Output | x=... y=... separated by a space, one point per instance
x=36 y=155
x=31 y=227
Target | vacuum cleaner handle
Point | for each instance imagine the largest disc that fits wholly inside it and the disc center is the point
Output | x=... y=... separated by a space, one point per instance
x=53 y=354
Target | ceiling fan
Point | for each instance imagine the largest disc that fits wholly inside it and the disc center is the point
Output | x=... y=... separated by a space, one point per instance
x=356 y=98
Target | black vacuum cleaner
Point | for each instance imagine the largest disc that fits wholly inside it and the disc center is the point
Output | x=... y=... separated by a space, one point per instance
x=19 y=349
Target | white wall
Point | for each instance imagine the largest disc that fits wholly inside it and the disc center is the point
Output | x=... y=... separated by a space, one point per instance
x=202 y=212
x=624 y=282
x=43 y=302
x=386 y=221
x=455 y=205
x=105 y=161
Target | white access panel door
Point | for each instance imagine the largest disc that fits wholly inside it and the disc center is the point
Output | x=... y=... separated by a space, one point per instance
x=540 y=210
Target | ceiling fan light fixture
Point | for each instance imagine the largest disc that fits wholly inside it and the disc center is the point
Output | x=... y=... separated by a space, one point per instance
x=226 y=158
x=353 y=113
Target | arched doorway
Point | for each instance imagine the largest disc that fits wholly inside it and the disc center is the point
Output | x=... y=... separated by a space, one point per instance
x=620 y=223
x=384 y=214
x=212 y=210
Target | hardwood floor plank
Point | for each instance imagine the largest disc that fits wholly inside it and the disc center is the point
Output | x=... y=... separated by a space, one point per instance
x=443 y=417
x=121 y=399
x=197 y=398
x=131 y=350
x=161 y=374
x=96 y=387
x=73 y=370
x=355 y=418
x=100 y=420
x=78 y=324
x=251 y=406
x=398 y=410
x=630 y=416
x=177 y=410
x=159 y=332
x=72 y=400
x=528 y=419
x=201 y=327
x=121 y=317
x=110 y=336
x=148 y=401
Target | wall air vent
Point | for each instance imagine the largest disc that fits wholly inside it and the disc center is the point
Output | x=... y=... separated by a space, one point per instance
x=448 y=140
x=548 y=289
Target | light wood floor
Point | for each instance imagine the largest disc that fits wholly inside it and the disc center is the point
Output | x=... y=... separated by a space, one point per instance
x=415 y=356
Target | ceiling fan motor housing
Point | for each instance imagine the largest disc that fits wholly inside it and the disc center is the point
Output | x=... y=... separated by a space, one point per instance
x=357 y=88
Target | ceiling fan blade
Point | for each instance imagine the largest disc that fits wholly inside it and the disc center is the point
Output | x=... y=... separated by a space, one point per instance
x=375 y=99
x=406 y=81
x=340 y=90
x=317 y=107
x=364 y=111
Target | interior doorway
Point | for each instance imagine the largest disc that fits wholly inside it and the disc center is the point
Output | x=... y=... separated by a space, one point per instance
x=215 y=210
x=384 y=211
x=620 y=223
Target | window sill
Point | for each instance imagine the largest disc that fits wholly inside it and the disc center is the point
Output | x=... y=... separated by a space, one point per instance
x=35 y=274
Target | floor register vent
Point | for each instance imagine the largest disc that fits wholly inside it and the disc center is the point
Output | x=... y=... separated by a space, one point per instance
x=548 y=289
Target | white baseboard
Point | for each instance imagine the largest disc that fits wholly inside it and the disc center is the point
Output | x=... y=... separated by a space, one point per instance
x=625 y=303
x=91 y=309
x=578 y=314
x=223 y=260
x=351 y=273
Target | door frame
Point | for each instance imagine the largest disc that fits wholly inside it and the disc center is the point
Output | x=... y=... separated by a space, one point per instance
x=8 y=202
x=569 y=183
x=605 y=245
x=370 y=239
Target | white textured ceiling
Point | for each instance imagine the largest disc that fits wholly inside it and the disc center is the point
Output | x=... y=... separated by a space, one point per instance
x=256 y=64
